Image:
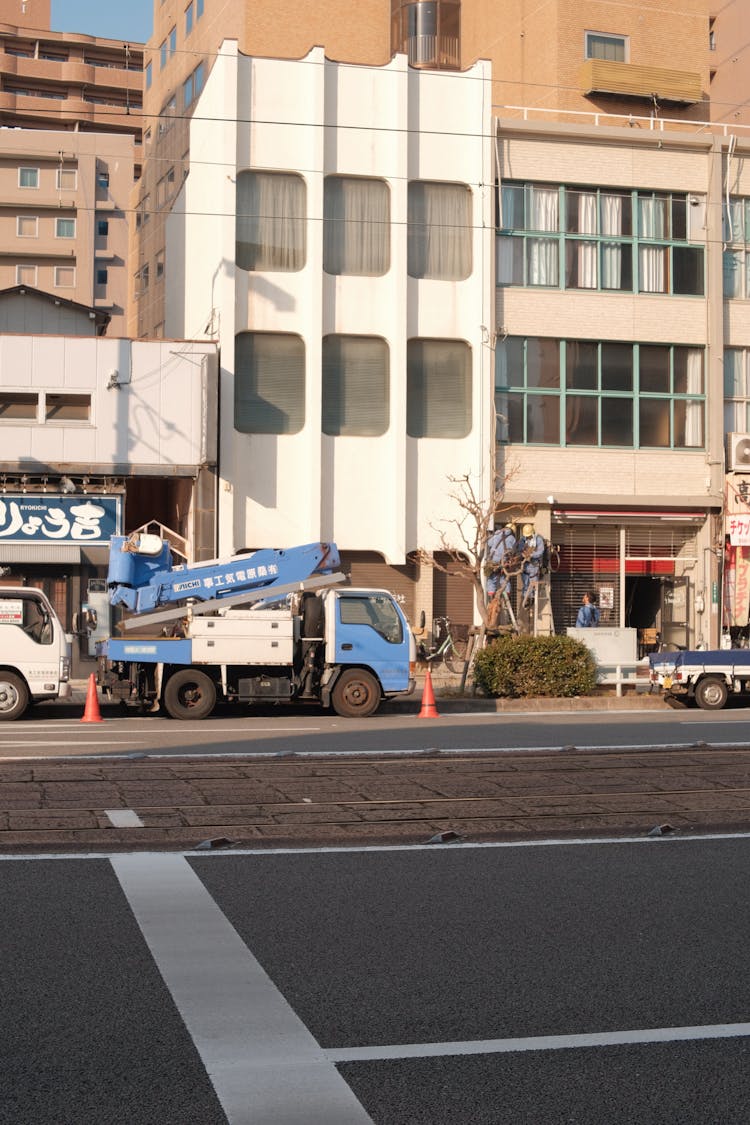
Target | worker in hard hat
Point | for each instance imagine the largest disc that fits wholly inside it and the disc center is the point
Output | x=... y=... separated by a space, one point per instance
x=532 y=547
x=501 y=549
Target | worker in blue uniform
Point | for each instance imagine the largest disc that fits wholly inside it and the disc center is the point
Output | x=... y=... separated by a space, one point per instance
x=532 y=547
x=501 y=550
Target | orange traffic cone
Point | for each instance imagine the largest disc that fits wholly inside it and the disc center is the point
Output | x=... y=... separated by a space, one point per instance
x=429 y=710
x=91 y=712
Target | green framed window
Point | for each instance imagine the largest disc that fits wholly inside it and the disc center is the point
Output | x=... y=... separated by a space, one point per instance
x=737 y=390
x=736 y=219
x=560 y=237
x=599 y=393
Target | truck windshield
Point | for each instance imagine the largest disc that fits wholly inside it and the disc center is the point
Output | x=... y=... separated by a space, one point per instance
x=375 y=610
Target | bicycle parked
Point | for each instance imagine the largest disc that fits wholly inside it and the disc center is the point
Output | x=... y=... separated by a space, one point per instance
x=444 y=646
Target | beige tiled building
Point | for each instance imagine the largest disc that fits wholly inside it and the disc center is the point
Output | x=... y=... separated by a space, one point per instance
x=555 y=59
x=615 y=155
x=63 y=220
x=70 y=148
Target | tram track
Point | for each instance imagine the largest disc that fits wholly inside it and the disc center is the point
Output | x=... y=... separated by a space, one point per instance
x=179 y=802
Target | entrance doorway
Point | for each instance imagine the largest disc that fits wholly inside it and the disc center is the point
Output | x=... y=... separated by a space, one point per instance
x=657 y=606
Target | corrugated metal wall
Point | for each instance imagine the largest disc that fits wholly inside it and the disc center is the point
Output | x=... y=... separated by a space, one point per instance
x=453 y=597
x=367 y=568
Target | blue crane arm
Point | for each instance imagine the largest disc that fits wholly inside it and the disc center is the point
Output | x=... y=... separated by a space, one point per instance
x=141 y=575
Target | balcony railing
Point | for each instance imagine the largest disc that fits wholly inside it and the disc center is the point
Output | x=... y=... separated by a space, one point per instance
x=433 y=51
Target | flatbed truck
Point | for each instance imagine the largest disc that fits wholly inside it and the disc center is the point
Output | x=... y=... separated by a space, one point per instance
x=710 y=677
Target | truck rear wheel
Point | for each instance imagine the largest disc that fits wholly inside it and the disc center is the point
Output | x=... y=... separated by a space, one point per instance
x=711 y=693
x=14 y=696
x=356 y=694
x=189 y=695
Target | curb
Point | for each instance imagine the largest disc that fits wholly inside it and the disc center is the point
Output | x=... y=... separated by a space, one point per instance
x=448 y=702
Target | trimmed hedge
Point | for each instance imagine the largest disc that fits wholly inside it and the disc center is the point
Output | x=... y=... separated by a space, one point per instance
x=513 y=667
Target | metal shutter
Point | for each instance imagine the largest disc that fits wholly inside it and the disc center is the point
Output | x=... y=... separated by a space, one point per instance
x=367 y=568
x=452 y=597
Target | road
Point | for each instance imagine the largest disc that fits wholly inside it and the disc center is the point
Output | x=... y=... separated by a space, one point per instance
x=46 y=732
x=541 y=984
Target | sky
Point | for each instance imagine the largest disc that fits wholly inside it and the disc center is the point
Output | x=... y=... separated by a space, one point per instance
x=131 y=20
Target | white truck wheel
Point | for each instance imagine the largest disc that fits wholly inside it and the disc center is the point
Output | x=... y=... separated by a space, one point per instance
x=14 y=696
x=711 y=693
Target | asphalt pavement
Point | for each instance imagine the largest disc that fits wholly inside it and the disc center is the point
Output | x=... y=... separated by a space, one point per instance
x=551 y=984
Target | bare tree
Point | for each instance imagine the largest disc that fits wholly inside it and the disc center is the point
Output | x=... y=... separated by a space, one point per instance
x=463 y=537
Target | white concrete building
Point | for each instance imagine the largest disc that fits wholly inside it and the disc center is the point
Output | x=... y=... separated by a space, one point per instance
x=101 y=436
x=356 y=372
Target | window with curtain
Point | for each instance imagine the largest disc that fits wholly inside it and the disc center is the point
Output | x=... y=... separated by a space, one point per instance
x=269 y=383
x=356 y=386
x=356 y=226
x=543 y=211
x=599 y=393
x=737 y=249
x=439 y=230
x=652 y=260
x=736 y=391
x=581 y=265
x=603 y=46
x=617 y=240
x=438 y=388
x=271 y=221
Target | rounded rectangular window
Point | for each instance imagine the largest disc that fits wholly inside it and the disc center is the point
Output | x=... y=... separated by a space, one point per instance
x=356 y=226
x=438 y=395
x=439 y=230
x=271 y=221
x=356 y=386
x=269 y=383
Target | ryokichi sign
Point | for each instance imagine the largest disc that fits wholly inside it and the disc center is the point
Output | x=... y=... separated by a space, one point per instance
x=44 y=518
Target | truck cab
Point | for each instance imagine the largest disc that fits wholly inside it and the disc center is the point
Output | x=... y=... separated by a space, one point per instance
x=35 y=651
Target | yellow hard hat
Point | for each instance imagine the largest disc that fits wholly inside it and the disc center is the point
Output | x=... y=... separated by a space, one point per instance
x=528 y=529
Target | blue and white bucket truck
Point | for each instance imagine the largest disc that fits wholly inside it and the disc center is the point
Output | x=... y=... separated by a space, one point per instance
x=272 y=626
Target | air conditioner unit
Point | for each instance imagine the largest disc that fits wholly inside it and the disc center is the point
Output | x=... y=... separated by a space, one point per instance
x=738 y=453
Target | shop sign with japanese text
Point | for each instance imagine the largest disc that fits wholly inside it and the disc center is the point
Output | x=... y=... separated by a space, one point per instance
x=46 y=518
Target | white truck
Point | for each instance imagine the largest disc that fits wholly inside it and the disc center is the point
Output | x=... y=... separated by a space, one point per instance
x=35 y=651
x=709 y=677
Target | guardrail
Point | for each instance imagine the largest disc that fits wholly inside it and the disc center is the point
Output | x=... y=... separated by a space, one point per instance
x=627 y=674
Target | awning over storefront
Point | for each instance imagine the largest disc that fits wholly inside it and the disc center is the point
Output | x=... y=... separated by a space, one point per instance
x=625 y=516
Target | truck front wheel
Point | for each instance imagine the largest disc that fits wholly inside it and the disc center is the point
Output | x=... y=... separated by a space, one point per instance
x=189 y=695
x=14 y=696
x=711 y=693
x=356 y=694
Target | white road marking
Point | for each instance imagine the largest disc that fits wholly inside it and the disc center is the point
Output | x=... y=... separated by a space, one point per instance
x=123 y=818
x=263 y=1062
x=537 y=1043
x=171 y=728
x=353 y=849
x=39 y=742
x=265 y=755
